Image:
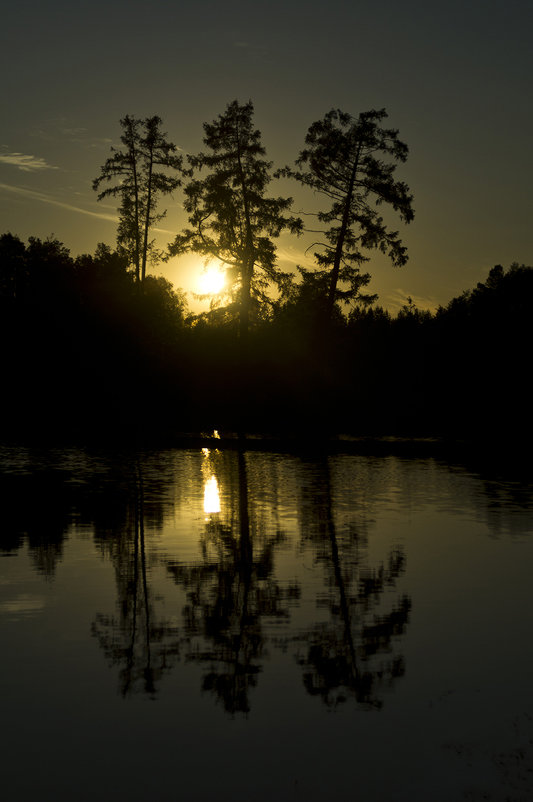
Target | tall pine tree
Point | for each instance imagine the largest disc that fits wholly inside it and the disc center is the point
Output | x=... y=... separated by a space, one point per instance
x=231 y=217
x=144 y=169
x=352 y=162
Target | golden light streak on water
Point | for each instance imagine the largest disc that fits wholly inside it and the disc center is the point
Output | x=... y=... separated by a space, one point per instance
x=211 y=496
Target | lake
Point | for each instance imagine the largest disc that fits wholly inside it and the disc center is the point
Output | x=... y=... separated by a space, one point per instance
x=246 y=625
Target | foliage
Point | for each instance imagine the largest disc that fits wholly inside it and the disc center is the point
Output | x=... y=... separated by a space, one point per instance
x=505 y=297
x=12 y=266
x=302 y=304
x=231 y=217
x=85 y=349
x=352 y=163
x=86 y=352
x=140 y=181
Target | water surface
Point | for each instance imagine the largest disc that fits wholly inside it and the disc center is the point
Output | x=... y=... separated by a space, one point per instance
x=221 y=624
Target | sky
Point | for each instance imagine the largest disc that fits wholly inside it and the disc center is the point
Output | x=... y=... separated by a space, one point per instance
x=456 y=79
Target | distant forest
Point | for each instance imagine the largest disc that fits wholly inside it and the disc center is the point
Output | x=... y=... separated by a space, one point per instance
x=88 y=351
x=97 y=346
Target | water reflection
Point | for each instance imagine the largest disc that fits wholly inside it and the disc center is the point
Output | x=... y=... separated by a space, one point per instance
x=211 y=496
x=211 y=488
x=229 y=594
x=355 y=652
x=36 y=511
x=224 y=559
x=372 y=588
x=136 y=639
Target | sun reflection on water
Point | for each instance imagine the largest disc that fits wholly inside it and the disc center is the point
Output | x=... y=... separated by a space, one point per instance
x=211 y=496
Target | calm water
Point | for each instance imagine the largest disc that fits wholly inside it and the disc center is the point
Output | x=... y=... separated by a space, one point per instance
x=216 y=625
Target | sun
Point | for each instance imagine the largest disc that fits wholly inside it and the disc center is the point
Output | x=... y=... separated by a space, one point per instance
x=211 y=281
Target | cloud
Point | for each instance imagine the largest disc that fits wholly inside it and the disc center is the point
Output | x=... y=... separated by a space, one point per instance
x=40 y=196
x=400 y=298
x=100 y=142
x=26 y=163
x=58 y=129
x=294 y=256
x=73 y=131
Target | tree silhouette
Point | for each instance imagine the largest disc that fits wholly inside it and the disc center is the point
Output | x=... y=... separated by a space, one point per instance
x=345 y=161
x=12 y=267
x=140 y=181
x=231 y=218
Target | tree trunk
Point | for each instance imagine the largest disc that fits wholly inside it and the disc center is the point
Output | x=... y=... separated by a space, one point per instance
x=248 y=262
x=136 y=233
x=244 y=314
x=334 y=276
x=339 y=581
x=147 y=217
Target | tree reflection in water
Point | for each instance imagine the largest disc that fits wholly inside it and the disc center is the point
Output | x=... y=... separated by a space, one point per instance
x=36 y=508
x=228 y=595
x=141 y=644
x=353 y=654
x=232 y=596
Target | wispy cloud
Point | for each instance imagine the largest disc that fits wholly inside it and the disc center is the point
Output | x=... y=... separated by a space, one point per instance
x=74 y=132
x=60 y=130
x=251 y=48
x=40 y=196
x=25 y=162
x=100 y=142
x=400 y=298
x=293 y=256
x=31 y=194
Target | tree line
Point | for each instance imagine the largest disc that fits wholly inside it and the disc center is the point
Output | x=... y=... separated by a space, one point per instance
x=86 y=353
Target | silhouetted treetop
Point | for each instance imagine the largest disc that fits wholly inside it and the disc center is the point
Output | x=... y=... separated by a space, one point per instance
x=142 y=171
x=351 y=161
x=231 y=217
x=504 y=294
x=12 y=266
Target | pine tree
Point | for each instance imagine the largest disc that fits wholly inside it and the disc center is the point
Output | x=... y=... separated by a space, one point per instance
x=345 y=160
x=143 y=170
x=231 y=218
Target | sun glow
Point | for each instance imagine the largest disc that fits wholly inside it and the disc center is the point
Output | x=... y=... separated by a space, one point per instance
x=211 y=281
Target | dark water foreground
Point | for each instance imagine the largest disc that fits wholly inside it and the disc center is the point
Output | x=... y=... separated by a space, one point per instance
x=229 y=624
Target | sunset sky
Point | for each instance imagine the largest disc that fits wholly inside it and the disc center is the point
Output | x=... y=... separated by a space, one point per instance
x=455 y=78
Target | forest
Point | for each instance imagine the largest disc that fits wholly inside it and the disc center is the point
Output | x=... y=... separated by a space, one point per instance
x=99 y=346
